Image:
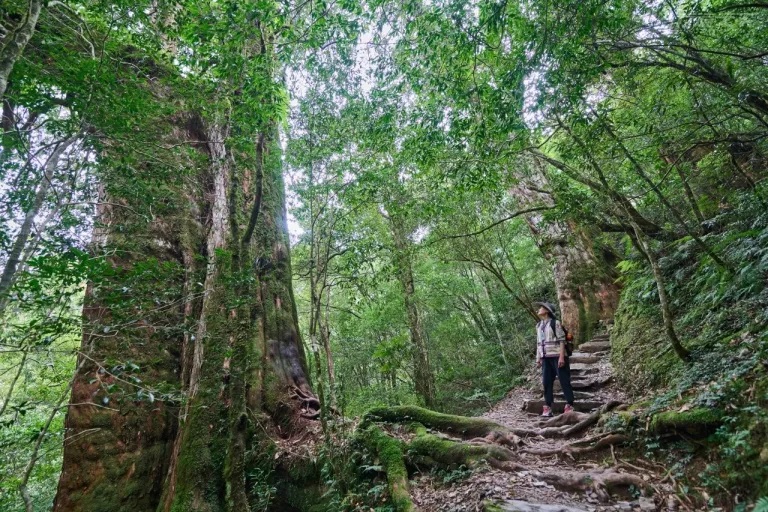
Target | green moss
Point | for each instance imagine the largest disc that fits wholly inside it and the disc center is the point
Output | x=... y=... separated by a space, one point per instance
x=101 y=419
x=202 y=470
x=696 y=422
x=641 y=404
x=584 y=322
x=618 y=421
x=451 y=453
x=99 y=499
x=463 y=425
x=626 y=417
x=392 y=458
x=304 y=471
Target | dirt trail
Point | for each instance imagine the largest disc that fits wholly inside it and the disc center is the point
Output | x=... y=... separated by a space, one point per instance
x=532 y=490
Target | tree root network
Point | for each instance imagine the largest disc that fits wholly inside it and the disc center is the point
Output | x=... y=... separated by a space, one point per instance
x=484 y=441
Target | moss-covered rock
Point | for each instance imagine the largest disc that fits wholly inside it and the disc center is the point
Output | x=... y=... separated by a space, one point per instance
x=698 y=422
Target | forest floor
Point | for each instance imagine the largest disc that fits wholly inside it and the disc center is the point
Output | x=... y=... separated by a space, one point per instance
x=528 y=490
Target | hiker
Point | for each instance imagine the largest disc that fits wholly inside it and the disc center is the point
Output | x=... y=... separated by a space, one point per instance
x=551 y=357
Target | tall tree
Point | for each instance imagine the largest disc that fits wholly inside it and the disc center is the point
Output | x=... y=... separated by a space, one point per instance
x=190 y=328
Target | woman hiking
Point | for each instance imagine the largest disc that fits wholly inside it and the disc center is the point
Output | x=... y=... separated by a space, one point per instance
x=551 y=357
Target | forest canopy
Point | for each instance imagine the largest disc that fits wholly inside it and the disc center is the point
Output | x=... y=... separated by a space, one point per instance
x=267 y=255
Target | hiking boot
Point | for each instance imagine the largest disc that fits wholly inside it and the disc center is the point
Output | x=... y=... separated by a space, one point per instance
x=568 y=408
x=546 y=411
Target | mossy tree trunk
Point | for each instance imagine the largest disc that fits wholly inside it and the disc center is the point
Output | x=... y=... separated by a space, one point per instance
x=122 y=417
x=586 y=290
x=191 y=349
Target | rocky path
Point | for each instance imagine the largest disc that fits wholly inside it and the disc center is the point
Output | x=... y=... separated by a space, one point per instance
x=532 y=490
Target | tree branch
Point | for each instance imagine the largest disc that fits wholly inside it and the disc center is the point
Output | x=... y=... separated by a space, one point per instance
x=493 y=225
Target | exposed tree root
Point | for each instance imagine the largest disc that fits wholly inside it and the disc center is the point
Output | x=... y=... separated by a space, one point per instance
x=433 y=450
x=426 y=449
x=430 y=450
x=485 y=442
x=567 y=430
x=602 y=482
x=310 y=405
x=576 y=448
x=392 y=458
x=462 y=426
x=570 y=418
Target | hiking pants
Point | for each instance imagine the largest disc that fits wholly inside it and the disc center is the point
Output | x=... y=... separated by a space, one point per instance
x=550 y=371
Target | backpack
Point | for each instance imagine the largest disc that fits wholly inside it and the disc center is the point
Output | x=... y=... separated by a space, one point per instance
x=568 y=337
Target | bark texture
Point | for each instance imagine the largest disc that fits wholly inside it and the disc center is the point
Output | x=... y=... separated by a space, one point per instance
x=118 y=441
x=192 y=360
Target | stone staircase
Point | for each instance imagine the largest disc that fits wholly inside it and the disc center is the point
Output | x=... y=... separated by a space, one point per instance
x=590 y=372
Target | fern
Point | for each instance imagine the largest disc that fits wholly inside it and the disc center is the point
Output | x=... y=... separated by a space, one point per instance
x=761 y=505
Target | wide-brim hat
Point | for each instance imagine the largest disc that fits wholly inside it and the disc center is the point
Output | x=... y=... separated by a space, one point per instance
x=548 y=306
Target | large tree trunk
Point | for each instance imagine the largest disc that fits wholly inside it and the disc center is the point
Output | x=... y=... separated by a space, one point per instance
x=193 y=359
x=118 y=437
x=586 y=288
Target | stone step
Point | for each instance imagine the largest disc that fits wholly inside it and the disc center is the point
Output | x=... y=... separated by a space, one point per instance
x=579 y=353
x=587 y=385
x=584 y=358
x=579 y=382
x=594 y=346
x=578 y=369
x=578 y=386
x=577 y=395
x=575 y=384
x=535 y=406
x=524 y=506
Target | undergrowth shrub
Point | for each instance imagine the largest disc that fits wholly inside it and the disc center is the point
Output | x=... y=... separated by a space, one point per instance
x=721 y=317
